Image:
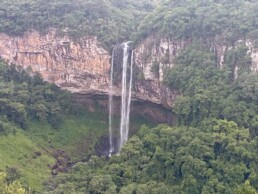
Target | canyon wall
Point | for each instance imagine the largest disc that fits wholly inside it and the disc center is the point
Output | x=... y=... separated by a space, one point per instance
x=155 y=56
x=78 y=67
x=81 y=67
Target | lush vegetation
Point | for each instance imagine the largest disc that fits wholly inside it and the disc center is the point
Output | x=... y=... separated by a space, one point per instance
x=10 y=187
x=211 y=148
x=219 y=20
x=24 y=97
x=111 y=20
x=114 y=21
x=42 y=132
x=38 y=122
x=210 y=92
x=218 y=157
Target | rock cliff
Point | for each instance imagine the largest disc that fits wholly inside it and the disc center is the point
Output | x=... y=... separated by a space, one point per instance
x=81 y=67
x=154 y=56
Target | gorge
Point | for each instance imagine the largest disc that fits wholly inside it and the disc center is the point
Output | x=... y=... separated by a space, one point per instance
x=82 y=68
x=174 y=110
x=87 y=70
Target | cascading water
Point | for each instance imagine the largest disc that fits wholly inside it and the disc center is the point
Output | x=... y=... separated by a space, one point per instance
x=126 y=95
x=129 y=98
x=111 y=148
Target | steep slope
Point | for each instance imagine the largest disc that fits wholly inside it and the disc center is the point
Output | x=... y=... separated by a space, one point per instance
x=175 y=25
x=41 y=130
x=26 y=158
x=74 y=54
x=205 y=50
x=80 y=64
x=197 y=57
x=80 y=67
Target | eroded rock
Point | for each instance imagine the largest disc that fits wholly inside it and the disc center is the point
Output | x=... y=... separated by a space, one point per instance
x=81 y=67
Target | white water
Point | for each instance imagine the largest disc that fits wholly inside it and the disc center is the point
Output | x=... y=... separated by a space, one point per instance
x=124 y=98
x=126 y=95
x=129 y=98
x=111 y=148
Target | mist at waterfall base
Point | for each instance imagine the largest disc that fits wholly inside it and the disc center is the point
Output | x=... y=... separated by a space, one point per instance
x=116 y=142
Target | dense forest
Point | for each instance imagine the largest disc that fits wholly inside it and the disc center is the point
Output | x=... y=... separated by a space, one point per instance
x=221 y=20
x=211 y=148
x=25 y=97
x=217 y=157
x=111 y=20
x=40 y=124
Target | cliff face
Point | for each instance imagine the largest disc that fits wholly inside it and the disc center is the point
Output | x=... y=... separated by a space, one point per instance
x=253 y=51
x=81 y=67
x=155 y=56
x=77 y=67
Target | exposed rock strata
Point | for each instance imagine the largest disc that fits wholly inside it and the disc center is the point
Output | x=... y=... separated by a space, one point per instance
x=80 y=67
x=253 y=51
x=162 y=53
x=83 y=67
x=157 y=52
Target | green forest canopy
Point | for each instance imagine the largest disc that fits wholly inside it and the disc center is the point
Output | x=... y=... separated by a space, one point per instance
x=211 y=148
x=218 y=157
x=221 y=20
x=111 y=20
x=24 y=97
x=115 y=21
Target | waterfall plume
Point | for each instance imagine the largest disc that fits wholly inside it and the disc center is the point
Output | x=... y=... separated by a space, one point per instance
x=126 y=95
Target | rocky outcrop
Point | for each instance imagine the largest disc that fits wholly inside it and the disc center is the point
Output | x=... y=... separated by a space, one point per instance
x=253 y=51
x=81 y=67
x=155 y=56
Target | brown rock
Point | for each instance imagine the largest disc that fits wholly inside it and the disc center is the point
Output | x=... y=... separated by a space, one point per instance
x=78 y=67
x=81 y=67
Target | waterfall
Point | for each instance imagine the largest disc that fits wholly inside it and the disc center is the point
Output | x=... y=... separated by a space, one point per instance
x=111 y=147
x=124 y=98
x=129 y=98
x=126 y=95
